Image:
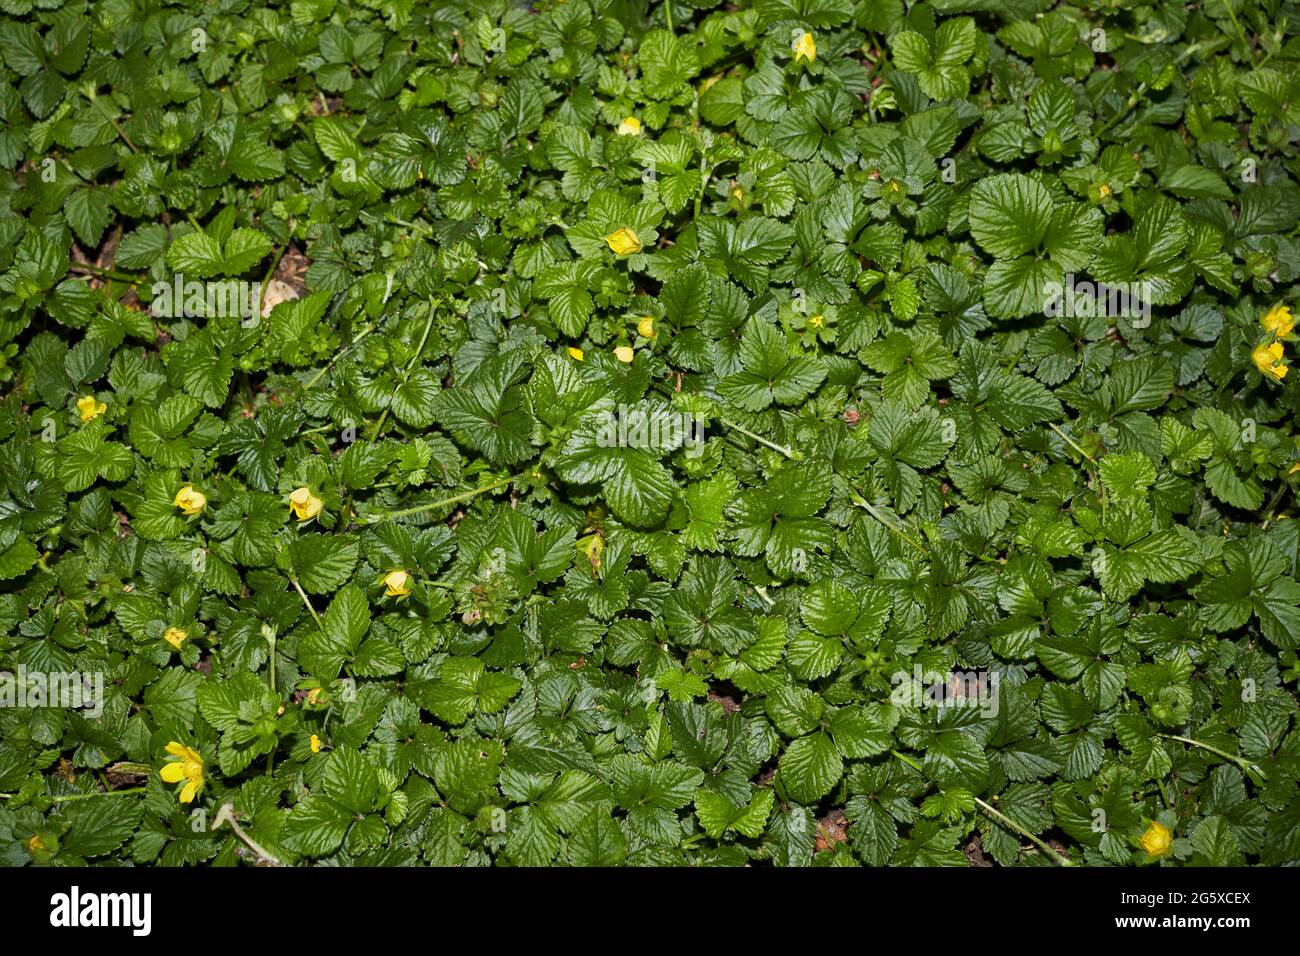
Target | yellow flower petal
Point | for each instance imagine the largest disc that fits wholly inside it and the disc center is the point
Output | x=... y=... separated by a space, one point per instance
x=805 y=48
x=630 y=127
x=1268 y=359
x=180 y=750
x=624 y=353
x=592 y=546
x=315 y=744
x=575 y=353
x=646 y=327
x=623 y=241
x=176 y=638
x=190 y=501
x=303 y=504
x=1279 y=320
x=90 y=408
x=1157 y=840
x=189 y=767
x=396 y=584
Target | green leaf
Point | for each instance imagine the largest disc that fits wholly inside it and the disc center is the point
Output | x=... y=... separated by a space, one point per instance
x=99 y=825
x=810 y=767
x=717 y=814
x=465 y=687
x=1010 y=215
x=321 y=562
x=343 y=626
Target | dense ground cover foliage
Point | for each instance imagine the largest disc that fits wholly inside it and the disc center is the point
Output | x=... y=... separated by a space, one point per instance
x=600 y=432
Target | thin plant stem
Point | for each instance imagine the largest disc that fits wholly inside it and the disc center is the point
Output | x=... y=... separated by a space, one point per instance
x=907 y=760
x=311 y=382
x=106 y=793
x=68 y=797
x=1071 y=442
x=788 y=452
x=1241 y=762
x=999 y=816
x=227 y=815
x=303 y=594
x=410 y=367
x=1136 y=96
x=1232 y=15
x=1269 y=508
x=1006 y=821
x=270 y=274
x=88 y=269
x=120 y=132
x=433 y=505
x=862 y=502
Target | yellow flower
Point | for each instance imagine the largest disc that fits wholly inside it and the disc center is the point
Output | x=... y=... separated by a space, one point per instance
x=630 y=127
x=575 y=353
x=315 y=744
x=805 y=48
x=303 y=505
x=1158 y=839
x=1294 y=468
x=396 y=584
x=190 y=501
x=738 y=194
x=1268 y=359
x=817 y=321
x=1279 y=320
x=1104 y=190
x=187 y=766
x=175 y=637
x=623 y=353
x=90 y=408
x=646 y=327
x=592 y=546
x=623 y=241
